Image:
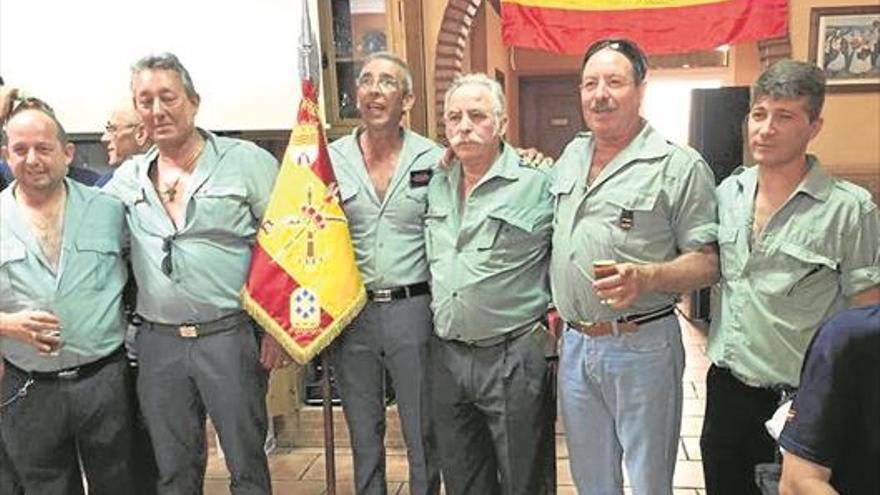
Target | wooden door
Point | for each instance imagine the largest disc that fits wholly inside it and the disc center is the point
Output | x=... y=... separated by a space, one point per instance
x=549 y=112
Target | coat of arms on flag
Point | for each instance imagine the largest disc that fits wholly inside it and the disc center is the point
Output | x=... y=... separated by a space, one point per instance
x=304 y=286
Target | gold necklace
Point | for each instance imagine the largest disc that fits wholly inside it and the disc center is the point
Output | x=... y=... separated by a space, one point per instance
x=169 y=191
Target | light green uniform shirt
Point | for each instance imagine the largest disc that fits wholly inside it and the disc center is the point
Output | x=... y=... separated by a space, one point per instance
x=85 y=293
x=211 y=253
x=654 y=201
x=489 y=255
x=387 y=235
x=818 y=250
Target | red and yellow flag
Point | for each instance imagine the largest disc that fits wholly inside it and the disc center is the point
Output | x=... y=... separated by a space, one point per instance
x=304 y=286
x=658 y=26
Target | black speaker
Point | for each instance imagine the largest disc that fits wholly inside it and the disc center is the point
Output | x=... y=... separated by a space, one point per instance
x=716 y=131
x=716 y=127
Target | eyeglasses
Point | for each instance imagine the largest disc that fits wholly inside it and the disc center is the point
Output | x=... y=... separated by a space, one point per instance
x=385 y=83
x=22 y=103
x=115 y=129
x=167 y=265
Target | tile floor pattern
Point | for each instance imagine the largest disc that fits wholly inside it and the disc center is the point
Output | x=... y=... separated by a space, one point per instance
x=301 y=471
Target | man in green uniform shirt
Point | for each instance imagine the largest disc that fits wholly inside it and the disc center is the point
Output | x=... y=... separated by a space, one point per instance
x=65 y=400
x=487 y=232
x=627 y=195
x=383 y=172
x=796 y=246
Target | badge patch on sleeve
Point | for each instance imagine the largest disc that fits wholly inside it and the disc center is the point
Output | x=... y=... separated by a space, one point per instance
x=420 y=178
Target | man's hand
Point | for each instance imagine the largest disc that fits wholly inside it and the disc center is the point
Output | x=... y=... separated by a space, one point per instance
x=534 y=158
x=7 y=95
x=272 y=355
x=33 y=327
x=621 y=290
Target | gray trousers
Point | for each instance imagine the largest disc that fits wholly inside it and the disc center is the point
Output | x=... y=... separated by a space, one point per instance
x=62 y=422
x=390 y=336
x=494 y=416
x=179 y=381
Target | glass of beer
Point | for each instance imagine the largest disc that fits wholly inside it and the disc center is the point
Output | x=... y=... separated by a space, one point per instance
x=46 y=305
x=604 y=255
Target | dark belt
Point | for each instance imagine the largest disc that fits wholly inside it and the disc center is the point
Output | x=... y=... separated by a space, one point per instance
x=394 y=293
x=75 y=373
x=498 y=339
x=625 y=324
x=194 y=330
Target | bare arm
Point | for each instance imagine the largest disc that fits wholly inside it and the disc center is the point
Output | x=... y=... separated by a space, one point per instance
x=687 y=272
x=866 y=297
x=800 y=476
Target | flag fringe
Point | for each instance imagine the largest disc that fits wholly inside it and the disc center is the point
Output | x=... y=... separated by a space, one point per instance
x=302 y=355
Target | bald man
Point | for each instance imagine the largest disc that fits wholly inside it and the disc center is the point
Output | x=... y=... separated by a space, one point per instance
x=124 y=136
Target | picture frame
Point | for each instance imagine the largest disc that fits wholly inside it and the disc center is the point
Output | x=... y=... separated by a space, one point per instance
x=845 y=43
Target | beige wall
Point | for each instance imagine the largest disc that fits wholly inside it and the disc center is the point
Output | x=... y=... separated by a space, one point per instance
x=849 y=138
x=852 y=121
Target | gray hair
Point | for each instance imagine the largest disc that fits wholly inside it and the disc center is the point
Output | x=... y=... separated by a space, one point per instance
x=499 y=103
x=166 y=61
x=407 y=74
x=793 y=79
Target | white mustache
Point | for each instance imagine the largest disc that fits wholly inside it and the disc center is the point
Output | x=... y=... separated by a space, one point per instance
x=458 y=139
x=602 y=106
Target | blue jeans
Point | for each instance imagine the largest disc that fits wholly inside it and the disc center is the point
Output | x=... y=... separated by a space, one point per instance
x=621 y=400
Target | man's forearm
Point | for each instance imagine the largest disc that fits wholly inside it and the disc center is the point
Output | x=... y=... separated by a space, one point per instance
x=690 y=271
x=803 y=477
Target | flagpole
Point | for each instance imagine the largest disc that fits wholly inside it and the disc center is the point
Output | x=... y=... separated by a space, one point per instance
x=329 y=446
x=308 y=65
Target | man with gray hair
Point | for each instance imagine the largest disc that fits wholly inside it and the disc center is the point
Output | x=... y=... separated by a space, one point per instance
x=797 y=246
x=193 y=206
x=487 y=233
x=383 y=172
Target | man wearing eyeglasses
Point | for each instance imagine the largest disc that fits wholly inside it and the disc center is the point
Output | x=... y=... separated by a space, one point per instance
x=194 y=202
x=125 y=135
x=65 y=393
x=383 y=172
x=651 y=202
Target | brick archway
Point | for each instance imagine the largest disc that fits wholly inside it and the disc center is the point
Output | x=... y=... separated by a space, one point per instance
x=452 y=42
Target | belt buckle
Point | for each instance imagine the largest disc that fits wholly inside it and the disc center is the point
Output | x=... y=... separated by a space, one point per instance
x=70 y=374
x=188 y=331
x=382 y=295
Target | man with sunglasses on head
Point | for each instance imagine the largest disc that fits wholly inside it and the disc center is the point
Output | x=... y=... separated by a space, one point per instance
x=66 y=410
x=383 y=172
x=8 y=98
x=193 y=206
x=651 y=201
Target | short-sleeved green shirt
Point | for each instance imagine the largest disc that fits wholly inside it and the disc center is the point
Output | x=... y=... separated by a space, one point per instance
x=818 y=250
x=86 y=291
x=387 y=235
x=211 y=253
x=489 y=255
x=654 y=201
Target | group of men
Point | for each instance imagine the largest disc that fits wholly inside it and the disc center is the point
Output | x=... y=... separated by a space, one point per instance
x=461 y=253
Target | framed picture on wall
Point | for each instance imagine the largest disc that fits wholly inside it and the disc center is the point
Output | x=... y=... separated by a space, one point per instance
x=845 y=43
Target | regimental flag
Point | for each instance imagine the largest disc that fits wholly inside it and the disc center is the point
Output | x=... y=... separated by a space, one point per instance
x=658 y=26
x=304 y=286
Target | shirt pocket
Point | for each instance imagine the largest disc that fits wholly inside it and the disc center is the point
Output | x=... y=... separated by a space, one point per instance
x=727 y=249
x=813 y=276
x=435 y=220
x=560 y=189
x=12 y=252
x=641 y=225
x=97 y=258
x=224 y=206
x=509 y=231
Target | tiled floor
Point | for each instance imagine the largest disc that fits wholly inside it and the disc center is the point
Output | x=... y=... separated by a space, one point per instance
x=301 y=471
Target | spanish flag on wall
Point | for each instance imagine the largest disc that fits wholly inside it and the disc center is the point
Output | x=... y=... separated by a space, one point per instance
x=658 y=26
x=304 y=286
